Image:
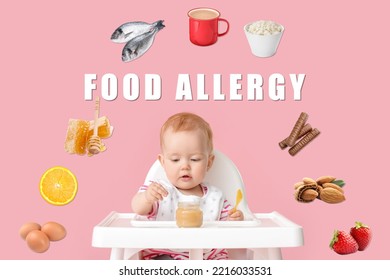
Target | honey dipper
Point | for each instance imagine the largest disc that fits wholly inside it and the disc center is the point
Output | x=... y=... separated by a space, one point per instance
x=94 y=142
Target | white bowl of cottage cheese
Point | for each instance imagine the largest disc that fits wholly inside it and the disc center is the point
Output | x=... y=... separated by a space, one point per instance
x=263 y=37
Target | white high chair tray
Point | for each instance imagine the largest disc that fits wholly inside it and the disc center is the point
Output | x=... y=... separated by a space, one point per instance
x=207 y=224
x=120 y=230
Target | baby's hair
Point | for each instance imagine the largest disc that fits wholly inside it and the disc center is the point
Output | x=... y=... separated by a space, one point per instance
x=188 y=122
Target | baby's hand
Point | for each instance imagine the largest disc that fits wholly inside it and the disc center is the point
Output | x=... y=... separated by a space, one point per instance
x=235 y=215
x=155 y=192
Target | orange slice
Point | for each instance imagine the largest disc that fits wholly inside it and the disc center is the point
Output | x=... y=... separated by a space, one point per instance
x=58 y=186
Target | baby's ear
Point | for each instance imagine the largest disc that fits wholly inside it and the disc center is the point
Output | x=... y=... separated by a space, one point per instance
x=161 y=159
x=210 y=161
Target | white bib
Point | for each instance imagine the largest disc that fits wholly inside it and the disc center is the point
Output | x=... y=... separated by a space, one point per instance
x=211 y=203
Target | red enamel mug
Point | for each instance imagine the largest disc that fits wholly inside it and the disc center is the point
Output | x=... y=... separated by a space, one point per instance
x=204 y=26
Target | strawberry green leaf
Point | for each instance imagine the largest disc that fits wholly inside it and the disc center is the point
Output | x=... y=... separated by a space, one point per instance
x=360 y=225
x=334 y=238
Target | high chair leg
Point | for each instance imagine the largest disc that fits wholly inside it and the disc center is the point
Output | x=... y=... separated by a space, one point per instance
x=239 y=254
x=117 y=254
x=125 y=254
x=267 y=254
x=196 y=254
x=132 y=254
x=275 y=254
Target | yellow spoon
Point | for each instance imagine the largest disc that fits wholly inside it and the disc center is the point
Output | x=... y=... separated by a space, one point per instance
x=238 y=199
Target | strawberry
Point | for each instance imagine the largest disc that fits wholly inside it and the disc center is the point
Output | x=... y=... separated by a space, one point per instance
x=343 y=243
x=362 y=235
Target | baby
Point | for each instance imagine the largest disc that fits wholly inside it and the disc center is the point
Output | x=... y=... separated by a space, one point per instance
x=186 y=155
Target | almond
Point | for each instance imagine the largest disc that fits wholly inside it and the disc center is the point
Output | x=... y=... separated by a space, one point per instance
x=308 y=180
x=298 y=184
x=302 y=194
x=325 y=179
x=331 y=195
x=309 y=195
x=333 y=186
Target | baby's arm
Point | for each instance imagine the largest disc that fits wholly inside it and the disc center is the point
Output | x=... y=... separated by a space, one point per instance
x=227 y=213
x=142 y=202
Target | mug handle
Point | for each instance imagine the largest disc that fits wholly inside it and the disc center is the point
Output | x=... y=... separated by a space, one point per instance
x=227 y=29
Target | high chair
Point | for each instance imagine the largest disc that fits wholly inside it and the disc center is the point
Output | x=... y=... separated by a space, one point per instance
x=259 y=236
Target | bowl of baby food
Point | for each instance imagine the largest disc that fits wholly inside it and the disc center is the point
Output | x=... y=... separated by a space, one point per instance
x=263 y=37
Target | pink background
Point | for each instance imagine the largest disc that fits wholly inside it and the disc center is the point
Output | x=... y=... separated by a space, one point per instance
x=48 y=47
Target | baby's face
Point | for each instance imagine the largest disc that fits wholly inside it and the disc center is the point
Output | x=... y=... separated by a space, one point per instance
x=185 y=158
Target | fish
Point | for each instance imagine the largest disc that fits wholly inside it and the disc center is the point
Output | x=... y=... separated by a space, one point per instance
x=139 y=45
x=130 y=30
